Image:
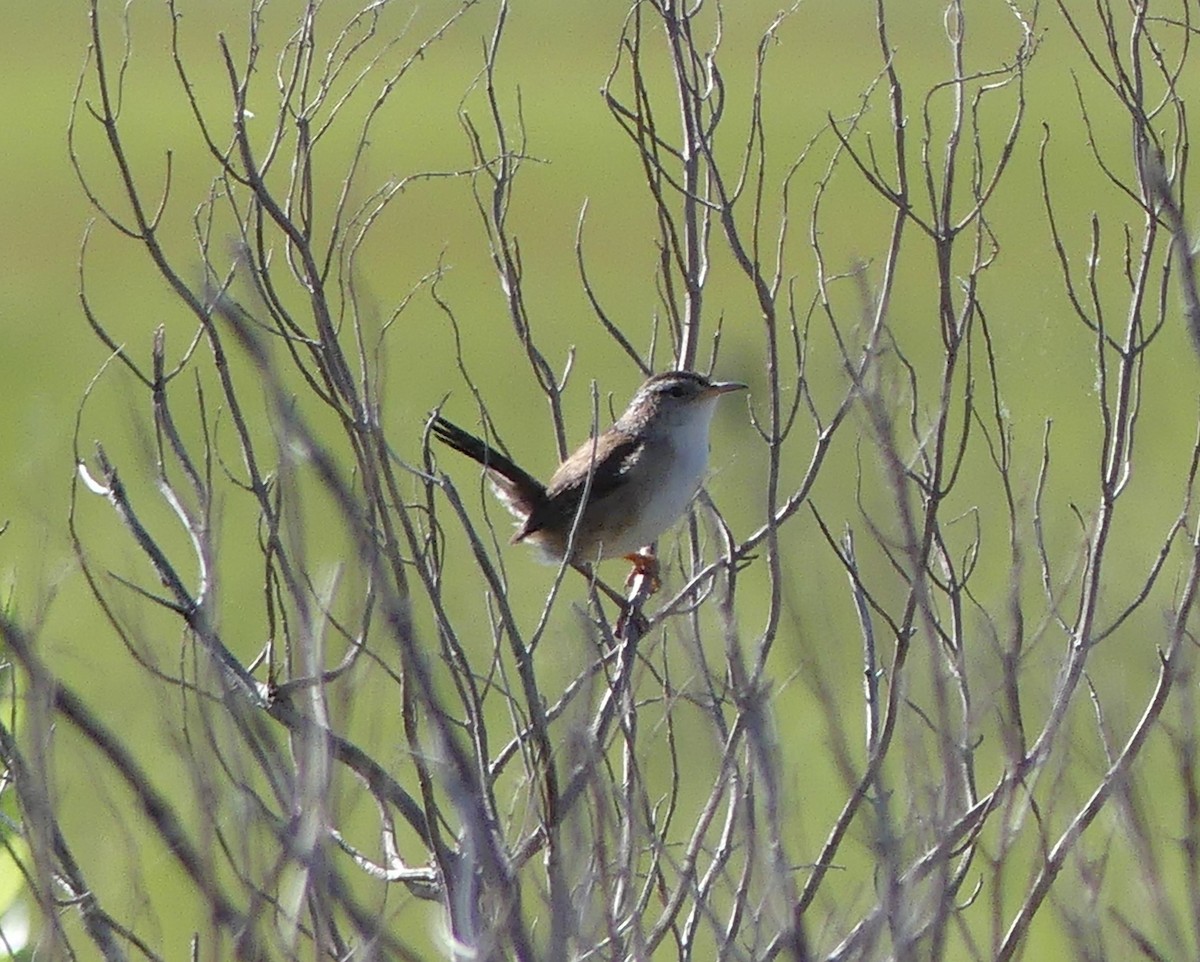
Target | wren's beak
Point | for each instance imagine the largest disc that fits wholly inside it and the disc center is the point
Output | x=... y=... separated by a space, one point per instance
x=724 y=387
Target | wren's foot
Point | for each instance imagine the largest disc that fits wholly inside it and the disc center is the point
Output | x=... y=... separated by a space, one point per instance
x=645 y=565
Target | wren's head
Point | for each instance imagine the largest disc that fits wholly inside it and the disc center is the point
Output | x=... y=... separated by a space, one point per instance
x=675 y=401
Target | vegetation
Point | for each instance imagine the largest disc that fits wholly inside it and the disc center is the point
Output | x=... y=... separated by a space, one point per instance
x=919 y=681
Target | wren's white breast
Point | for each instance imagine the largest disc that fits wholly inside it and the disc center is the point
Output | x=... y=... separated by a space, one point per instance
x=678 y=455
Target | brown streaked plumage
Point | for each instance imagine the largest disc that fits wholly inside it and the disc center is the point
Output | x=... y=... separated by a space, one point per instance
x=644 y=471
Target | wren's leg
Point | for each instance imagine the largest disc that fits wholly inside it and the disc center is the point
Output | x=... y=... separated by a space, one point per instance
x=645 y=565
x=644 y=579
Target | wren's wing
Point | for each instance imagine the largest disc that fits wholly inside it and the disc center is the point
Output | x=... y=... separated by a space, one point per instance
x=613 y=456
x=520 y=491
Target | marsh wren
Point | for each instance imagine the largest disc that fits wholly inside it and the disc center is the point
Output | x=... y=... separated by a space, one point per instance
x=643 y=473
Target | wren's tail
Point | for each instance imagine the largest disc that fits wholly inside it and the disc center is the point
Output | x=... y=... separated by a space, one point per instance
x=518 y=489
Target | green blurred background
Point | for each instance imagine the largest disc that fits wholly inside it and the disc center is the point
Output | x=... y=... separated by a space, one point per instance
x=557 y=55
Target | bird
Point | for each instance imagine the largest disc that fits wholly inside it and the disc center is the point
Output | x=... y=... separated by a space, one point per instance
x=638 y=476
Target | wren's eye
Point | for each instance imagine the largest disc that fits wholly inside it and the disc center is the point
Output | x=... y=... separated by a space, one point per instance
x=677 y=391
